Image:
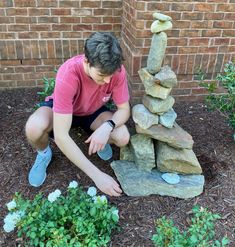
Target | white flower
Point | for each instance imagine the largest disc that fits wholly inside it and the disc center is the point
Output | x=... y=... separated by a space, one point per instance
x=73 y=184
x=54 y=195
x=11 y=220
x=8 y=227
x=91 y=191
x=103 y=199
x=115 y=212
x=11 y=205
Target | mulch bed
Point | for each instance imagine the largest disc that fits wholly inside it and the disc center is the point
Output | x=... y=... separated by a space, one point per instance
x=214 y=147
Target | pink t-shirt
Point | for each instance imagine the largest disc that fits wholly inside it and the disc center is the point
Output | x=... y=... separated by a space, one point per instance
x=76 y=93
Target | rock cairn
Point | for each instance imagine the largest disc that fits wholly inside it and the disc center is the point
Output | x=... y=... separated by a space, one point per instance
x=159 y=158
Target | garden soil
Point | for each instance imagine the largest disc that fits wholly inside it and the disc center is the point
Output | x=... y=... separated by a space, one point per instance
x=214 y=147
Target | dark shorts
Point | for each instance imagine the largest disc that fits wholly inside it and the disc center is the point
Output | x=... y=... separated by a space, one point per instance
x=80 y=121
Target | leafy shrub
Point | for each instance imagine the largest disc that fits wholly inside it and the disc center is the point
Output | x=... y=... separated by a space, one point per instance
x=77 y=219
x=200 y=233
x=224 y=103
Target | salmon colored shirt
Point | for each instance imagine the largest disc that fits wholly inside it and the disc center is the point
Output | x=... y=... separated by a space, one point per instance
x=76 y=93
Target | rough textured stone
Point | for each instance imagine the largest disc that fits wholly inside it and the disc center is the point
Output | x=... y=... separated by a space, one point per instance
x=182 y=161
x=160 y=26
x=147 y=78
x=143 y=150
x=156 y=53
x=157 y=91
x=175 y=137
x=135 y=182
x=143 y=117
x=167 y=77
x=161 y=17
x=158 y=106
x=168 y=118
x=126 y=153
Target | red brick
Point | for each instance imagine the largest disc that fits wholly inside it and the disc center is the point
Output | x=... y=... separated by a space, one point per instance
x=18 y=27
x=82 y=27
x=6 y=3
x=204 y=7
x=48 y=19
x=226 y=7
x=6 y=20
x=70 y=4
x=102 y=27
x=211 y=33
x=25 y=3
x=190 y=33
x=187 y=50
x=90 y=4
x=61 y=27
x=182 y=7
x=40 y=27
x=23 y=19
x=7 y=35
x=28 y=35
x=156 y=6
x=198 y=41
x=228 y=33
x=201 y=24
x=11 y=50
x=222 y=41
x=24 y=69
x=71 y=35
x=213 y=16
x=192 y=16
x=111 y=4
x=104 y=12
x=38 y=11
x=223 y=24
x=50 y=35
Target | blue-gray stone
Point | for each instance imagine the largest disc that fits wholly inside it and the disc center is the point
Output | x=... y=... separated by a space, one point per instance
x=171 y=178
x=168 y=118
x=136 y=182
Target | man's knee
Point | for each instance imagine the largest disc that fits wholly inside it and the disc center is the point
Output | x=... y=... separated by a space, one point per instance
x=34 y=129
x=121 y=136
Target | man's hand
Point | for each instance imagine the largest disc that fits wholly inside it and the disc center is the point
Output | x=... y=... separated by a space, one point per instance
x=99 y=138
x=107 y=184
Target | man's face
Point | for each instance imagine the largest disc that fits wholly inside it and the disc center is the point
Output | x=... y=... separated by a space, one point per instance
x=97 y=76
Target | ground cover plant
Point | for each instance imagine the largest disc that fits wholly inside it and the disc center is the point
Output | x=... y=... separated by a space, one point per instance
x=76 y=219
x=224 y=103
x=201 y=232
x=213 y=145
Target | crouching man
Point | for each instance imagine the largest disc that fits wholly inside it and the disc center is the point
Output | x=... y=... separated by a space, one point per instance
x=83 y=86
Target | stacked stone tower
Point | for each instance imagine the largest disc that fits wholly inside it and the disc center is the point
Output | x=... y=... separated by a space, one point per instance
x=159 y=158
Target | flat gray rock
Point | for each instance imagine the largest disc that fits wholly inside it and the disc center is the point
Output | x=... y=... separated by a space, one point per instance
x=158 y=106
x=168 y=118
x=175 y=137
x=161 y=17
x=160 y=26
x=135 y=182
x=167 y=77
x=183 y=161
x=156 y=52
x=143 y=117
x=143 y=150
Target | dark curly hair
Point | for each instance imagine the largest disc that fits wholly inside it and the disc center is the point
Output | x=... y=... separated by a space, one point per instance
x=103 y=51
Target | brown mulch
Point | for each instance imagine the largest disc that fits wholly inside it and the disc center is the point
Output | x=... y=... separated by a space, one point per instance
x=214 y=147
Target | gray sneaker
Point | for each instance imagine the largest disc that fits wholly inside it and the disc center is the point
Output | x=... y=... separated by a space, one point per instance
x=106 y=153
x=37 y=174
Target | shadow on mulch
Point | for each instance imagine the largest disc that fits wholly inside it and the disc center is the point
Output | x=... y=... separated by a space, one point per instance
x=213 y=146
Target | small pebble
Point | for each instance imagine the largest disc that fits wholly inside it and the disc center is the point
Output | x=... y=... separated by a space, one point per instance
x=171 y=178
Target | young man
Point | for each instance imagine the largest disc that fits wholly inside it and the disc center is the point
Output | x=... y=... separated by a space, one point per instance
x=84 y=84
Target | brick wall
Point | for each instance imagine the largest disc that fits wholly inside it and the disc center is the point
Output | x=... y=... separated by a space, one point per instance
x=36 y=36
x=202 y=38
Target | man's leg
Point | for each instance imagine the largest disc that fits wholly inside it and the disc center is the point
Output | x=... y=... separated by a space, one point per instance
x=119 y=136
x=37 y=131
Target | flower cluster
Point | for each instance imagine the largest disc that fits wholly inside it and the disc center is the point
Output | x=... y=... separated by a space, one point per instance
x=74 y=219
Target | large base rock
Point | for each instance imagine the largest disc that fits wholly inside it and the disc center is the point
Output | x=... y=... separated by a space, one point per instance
x=136 y=182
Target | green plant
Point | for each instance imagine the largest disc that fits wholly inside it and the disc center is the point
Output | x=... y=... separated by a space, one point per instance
x=224 y=103
x=199 y=234
x=76 y=219
x=47 y=90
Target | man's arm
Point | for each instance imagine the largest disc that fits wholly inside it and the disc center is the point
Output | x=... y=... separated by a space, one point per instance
x=122 y=114
x=100 y=136
x=61 y=127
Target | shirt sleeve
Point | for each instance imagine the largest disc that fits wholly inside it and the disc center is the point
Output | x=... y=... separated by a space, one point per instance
x=120 y=92
x=65 y=90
